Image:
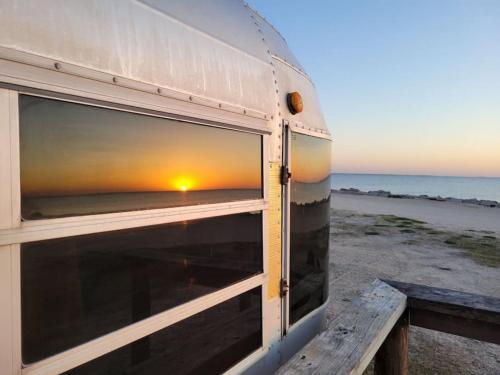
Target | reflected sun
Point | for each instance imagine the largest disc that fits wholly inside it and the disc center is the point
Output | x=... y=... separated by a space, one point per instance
x=183 y=183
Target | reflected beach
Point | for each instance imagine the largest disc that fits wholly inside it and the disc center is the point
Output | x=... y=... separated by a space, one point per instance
x=309 y=224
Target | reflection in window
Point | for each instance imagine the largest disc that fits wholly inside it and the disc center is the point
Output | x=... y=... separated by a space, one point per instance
x=80 y=160
x=78 y=288
x=309 y=224
x=207 y=343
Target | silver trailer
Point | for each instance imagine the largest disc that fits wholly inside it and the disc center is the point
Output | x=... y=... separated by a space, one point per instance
x=164 y=190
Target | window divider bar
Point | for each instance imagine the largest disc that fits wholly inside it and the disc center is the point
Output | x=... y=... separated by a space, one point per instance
x=78 y=225
x=95 y=348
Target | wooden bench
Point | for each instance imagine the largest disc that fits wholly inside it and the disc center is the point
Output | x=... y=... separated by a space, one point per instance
x=376 y=325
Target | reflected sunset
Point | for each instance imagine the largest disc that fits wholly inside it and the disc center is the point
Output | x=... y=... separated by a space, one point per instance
x=310 y=158
x=73 y=151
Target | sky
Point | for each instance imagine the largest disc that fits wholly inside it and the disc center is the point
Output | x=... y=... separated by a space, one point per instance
x=406 y=87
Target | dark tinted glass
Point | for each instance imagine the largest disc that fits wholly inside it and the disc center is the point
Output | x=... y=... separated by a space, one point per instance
x=78 y=288
x=309 y=224
x=81 y=160
x=207 y=343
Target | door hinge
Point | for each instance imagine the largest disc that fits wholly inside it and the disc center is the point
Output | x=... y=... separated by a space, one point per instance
x=283 y=288
x=285 y=175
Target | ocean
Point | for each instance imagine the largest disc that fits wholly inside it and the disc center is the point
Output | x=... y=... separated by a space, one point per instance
x=456 y=187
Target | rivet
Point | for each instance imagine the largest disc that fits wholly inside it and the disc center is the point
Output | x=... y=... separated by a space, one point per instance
x=278 y=104
x=265 y=116
x=272 y=117
x=57 y=66
x=158 y=90
x=274 y=72
x=220 y=105
x=279 y=113
x=115 y=79
x=245 y=111
x=277 y=91
x=191 y=98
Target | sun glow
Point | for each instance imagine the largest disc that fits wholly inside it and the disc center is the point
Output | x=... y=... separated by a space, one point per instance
x=183 y=183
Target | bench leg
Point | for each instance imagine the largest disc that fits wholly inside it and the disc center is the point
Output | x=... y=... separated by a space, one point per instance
x=392 y=357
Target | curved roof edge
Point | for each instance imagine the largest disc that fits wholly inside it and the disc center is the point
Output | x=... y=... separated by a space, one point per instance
x=222 y=52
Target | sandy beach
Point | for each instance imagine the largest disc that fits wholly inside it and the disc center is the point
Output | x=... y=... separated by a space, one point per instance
x=441 y=244
x=451 y=215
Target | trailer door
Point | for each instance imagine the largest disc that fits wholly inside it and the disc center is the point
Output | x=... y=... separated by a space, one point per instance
x=306 y=218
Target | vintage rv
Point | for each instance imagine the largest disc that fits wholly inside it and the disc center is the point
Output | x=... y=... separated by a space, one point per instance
x=164 y=190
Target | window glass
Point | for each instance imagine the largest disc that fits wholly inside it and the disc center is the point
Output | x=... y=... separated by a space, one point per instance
x=81 y=160
x=309 y=224
x=207 y=343
x=78 y=288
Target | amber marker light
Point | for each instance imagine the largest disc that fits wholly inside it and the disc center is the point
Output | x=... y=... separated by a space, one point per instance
x=294 y=101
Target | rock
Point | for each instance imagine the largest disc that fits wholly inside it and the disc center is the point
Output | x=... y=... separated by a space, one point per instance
x=438 y=198
x=470 y=201
x=379 y=193
x=488 y=203
x=454 y=200
x=400 y=196
x=350 y=191
x=423 y=196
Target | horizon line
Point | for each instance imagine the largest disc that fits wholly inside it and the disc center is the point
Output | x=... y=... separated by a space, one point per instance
x=413 y=175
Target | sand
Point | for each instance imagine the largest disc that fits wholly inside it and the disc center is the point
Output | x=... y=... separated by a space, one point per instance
x=455 y=216
x=442 y=252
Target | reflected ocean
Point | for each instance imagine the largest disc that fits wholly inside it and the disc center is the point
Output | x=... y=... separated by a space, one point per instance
x=456 y=187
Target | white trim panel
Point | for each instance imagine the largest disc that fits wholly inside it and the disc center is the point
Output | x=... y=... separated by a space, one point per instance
x=5 y=160
x=55 y=228
x=21 y=74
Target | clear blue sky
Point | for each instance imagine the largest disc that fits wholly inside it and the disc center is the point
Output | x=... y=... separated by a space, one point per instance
x=406 y=86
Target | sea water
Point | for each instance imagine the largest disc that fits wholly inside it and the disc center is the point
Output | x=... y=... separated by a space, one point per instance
x=456 y=187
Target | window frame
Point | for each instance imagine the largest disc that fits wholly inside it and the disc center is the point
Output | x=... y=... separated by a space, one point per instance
x=18 y=231
x=288 y=131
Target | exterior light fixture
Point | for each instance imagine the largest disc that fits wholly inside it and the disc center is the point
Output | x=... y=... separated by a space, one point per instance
x=294 y=101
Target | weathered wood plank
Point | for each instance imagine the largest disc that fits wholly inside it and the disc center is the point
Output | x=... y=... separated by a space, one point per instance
x=392 y=357
x=463 y=314
x=351 y=340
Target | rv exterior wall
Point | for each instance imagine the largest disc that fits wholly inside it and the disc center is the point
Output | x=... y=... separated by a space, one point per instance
x=219 y=67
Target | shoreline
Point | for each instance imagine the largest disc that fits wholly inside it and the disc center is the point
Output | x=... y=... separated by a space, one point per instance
x=388 y=194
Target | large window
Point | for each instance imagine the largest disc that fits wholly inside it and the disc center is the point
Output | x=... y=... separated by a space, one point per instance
x=309 y=224
x=207 y=343
x=78 y=288
x=80 y=160
x=195 y=274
